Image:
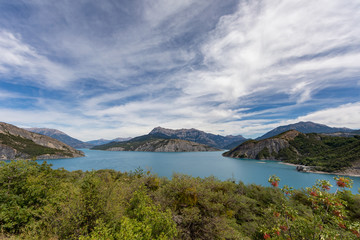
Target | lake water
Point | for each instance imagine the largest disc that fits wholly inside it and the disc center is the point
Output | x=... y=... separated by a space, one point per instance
x=197 y=164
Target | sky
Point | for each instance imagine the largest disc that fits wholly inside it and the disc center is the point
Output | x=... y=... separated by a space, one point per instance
x=118 y=68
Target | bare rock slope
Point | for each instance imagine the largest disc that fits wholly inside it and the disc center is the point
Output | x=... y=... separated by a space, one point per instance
x=18 y=143
x=264 y=149
x=155 y=144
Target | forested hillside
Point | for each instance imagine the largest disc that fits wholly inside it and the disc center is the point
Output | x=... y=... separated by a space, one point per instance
x=322 y=152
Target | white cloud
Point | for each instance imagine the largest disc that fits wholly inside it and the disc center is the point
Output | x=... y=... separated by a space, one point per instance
x=274 y=45
x=20 y=60
x=347 y=115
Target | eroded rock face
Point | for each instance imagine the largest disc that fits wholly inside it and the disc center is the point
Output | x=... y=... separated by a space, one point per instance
x=7 y=152
x=264 y=149
x=10 y=152
x=252 y=149
x=168 y=145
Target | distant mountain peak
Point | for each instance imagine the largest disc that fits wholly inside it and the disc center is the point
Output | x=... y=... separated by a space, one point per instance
x=47 y=130
x=304 y=127
x=61 y=136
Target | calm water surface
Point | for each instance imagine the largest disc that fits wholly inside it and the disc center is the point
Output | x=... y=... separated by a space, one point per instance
x=197 y=164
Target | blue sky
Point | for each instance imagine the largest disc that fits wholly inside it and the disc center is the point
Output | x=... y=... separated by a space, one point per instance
x=105 y=69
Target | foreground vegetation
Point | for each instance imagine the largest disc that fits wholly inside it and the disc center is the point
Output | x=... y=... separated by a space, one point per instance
x=37 y=202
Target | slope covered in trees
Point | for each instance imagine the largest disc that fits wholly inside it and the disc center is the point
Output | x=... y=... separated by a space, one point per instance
x=323 y=152
x=37 y=202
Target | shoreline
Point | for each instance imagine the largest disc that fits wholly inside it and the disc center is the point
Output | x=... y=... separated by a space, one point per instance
x=343 y=173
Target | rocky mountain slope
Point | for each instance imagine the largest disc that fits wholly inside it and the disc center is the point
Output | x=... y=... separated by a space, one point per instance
x=304 y=127
x=105 y=141
x=263 y=149
x=61 y=136
x=18 y=143
x=156 y=143
x=320 y=151
x=198 y=136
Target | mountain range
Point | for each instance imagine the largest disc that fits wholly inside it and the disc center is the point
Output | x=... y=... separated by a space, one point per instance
x=18 y=143
x=194 y=135
x=73 y=142
x=169 y=140
x=61 y=136
x=156 y=142
x=198 y=136
x=104 y=141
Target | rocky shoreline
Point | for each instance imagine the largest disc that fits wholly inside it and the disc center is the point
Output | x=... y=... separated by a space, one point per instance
x=351 y=172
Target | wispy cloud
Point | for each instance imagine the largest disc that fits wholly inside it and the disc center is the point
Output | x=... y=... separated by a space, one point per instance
x=293 y=47
x=21 y=60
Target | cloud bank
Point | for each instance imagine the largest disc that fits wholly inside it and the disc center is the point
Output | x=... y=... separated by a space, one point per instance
x=110 y=69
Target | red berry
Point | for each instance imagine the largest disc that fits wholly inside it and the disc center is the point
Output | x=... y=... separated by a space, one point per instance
x=342 y=225
x=267 y=236
x=275 y=183
x=284 y=228
x=313 y=193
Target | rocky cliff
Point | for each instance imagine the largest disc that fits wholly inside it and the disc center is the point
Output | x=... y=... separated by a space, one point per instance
x=18 y=143
x=264 y=149
x=154 y=144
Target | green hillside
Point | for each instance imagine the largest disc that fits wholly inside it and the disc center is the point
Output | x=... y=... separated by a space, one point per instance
x=27 y=146
x=327 y=153
x=324 y=152
x=131 y=144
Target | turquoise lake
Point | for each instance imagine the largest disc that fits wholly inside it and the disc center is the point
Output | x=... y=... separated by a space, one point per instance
x=197 y=164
